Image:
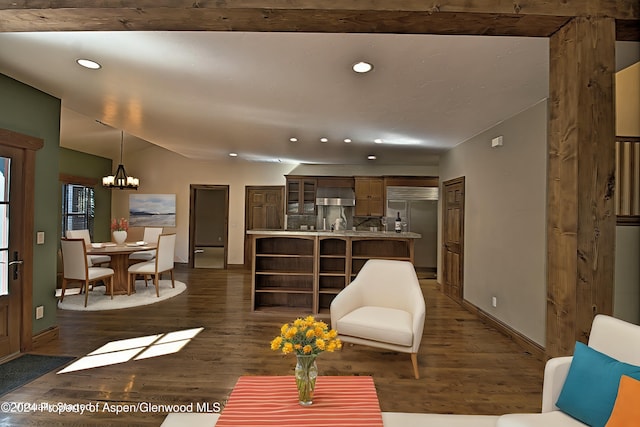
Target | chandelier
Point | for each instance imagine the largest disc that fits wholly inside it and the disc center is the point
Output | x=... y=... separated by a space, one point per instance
x=121 y=180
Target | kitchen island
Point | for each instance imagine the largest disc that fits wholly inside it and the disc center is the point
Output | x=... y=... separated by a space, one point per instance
x=302 y=271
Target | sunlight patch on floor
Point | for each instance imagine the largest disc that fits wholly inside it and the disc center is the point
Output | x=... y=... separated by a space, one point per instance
x=138 y=348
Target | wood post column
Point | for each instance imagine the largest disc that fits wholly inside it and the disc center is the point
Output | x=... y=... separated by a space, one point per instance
x=580 y=205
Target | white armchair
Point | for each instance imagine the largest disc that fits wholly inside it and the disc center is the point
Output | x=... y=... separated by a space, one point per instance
x=382 y=307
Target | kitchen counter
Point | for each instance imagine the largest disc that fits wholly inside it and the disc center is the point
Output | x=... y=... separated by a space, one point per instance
x=339 y=233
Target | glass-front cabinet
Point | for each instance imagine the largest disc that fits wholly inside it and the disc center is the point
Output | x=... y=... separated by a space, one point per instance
x=301 y=196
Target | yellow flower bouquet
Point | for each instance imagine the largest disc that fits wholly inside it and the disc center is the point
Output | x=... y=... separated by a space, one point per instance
x=306 y=338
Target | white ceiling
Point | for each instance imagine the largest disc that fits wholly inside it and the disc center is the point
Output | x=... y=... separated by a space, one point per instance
x=205 y=94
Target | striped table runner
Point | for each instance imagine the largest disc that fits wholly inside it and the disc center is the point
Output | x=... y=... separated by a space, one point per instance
x=273 y=401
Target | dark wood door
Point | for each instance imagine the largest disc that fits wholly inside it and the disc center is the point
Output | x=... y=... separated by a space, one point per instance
x=264 y=210
x=453 y=238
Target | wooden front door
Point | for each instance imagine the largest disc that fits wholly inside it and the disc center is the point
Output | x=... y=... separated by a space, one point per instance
x=453 y=237
x=264 y=210
x=17 y=171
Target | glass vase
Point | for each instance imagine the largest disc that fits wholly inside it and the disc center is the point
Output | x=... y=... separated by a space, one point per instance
x=306 y=374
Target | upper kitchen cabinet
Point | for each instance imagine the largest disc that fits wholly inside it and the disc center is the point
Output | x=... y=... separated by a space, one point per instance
x=369 y=196
x=301 y=196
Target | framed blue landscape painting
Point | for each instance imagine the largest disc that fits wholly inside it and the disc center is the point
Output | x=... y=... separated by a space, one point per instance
x=152 y=210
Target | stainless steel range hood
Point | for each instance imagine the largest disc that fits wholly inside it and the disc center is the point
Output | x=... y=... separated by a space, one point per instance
x=335 y=196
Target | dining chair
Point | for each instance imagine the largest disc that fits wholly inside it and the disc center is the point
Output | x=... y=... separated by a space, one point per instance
x=75 y=268
x=163 y=262
x=150 y=235
x=84 y=234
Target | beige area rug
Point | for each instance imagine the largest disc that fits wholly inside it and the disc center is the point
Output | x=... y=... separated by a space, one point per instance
x=143 y=296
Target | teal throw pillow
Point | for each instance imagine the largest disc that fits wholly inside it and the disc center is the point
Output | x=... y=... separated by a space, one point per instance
x=591 y=387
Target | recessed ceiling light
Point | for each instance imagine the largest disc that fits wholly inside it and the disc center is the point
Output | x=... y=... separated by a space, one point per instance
x=371 y=157
x=87 y=63
x=347 y=140
x=362 y=67
x=324 y=140
x=233 y=154
x=293 y=139
x=377 y=141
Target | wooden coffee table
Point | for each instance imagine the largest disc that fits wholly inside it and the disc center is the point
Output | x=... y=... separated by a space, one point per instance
x=259 y=400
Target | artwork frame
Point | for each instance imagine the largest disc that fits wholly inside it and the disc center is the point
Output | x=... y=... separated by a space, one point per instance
x=152 y=210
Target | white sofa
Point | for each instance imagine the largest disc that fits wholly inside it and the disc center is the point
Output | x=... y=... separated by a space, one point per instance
x=613 y=337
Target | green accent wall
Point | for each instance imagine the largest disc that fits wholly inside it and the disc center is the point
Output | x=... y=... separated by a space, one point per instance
x=32 y=112
x=86 y=165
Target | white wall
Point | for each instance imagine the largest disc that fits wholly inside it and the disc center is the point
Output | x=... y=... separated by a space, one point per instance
x=164 y=172
x=505 y=220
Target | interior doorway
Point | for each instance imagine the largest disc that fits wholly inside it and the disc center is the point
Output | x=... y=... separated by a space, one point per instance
x=208 y=226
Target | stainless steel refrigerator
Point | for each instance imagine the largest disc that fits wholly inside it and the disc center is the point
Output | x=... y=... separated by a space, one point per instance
x=418 y=207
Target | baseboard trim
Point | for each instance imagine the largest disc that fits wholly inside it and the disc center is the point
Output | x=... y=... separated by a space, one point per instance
x=526 y=343
x=45 y=336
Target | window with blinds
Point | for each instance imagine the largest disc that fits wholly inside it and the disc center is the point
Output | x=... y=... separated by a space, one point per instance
x=78 y=208
x=627 y=194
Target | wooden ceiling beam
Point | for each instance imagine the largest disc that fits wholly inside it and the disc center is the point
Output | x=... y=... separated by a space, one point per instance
x=617 y=9
x=496 y=17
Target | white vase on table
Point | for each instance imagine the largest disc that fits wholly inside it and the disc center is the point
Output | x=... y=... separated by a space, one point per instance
x=119 y=236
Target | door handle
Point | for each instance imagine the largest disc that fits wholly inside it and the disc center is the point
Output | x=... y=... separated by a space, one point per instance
x=16 y=262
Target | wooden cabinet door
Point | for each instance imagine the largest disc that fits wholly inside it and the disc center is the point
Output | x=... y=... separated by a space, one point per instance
x=308 y=197
x=301 y=196
x=362 y=197
x=376 y=197
x=293 y=196
x=369 y=197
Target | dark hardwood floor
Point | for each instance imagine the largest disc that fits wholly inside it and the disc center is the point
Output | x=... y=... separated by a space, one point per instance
x=466 y=367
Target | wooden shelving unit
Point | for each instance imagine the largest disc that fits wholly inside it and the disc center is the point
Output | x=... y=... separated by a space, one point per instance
x=284 y=273
x=302 y=274
x=333 y=270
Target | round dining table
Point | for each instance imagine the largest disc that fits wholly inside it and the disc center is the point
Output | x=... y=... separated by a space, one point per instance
x=119 y=254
